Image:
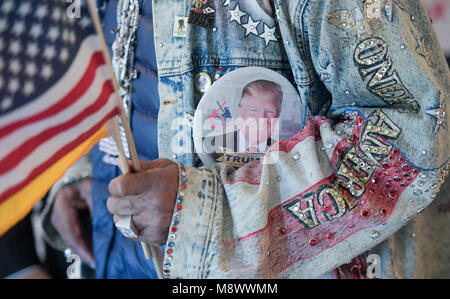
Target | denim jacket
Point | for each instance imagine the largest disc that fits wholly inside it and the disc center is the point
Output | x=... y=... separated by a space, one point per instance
x=372 y=155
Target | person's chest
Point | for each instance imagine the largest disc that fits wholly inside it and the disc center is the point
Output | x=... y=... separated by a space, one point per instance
x=197 y=43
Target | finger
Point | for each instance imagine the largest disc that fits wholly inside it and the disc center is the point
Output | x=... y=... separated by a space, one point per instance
x=136 y=183
x=116 y=218
x=89 y=204
x=77 y=241
x=66 y=193
x=155 y=218
x=79 y=204
x=142 y=220
x=158 y=163
x=153 y=236
x=130 y=184
x=122 y=206
x=145 y=165
x=86 y=192
x=85 y=252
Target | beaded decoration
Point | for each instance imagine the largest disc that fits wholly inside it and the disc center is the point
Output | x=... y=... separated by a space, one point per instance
x=169 y=249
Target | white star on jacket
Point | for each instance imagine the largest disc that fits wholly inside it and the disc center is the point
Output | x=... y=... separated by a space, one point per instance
x=269 y=34
x=250 y=27
x=236 y=14
x=439 y=113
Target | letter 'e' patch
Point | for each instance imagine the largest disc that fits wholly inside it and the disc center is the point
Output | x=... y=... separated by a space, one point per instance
x=202 y=14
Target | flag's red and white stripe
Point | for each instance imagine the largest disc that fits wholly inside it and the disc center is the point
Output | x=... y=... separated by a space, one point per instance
x=37 y=135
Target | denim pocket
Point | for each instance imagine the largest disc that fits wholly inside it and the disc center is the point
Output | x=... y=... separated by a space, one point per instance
x=243 y=34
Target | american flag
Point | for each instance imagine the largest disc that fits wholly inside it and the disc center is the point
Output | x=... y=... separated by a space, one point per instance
x=56 y=93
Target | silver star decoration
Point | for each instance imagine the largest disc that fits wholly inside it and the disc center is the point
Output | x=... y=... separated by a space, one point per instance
x=269 y=34
x=423 y=51
x=250 y=27
x=439 y=113
x=226 y=3
x=236 y=14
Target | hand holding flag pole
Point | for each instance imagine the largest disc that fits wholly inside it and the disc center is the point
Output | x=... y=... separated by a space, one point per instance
x=113 y=129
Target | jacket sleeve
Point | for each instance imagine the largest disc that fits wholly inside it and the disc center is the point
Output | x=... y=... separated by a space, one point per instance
x=347 y=181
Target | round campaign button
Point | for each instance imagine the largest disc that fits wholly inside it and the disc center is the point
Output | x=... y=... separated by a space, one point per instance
x=245 y=113
x=202 y=81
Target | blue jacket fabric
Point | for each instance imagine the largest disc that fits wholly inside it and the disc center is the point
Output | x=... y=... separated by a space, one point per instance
x=116 y=256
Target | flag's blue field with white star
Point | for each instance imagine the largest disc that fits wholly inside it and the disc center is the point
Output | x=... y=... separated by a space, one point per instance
x=38 y=42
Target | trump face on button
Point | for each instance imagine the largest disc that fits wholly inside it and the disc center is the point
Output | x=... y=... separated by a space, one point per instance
x=260 y=109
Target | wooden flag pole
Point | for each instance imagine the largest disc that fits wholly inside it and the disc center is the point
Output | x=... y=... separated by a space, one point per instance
x=150 y=252
x=113 y=129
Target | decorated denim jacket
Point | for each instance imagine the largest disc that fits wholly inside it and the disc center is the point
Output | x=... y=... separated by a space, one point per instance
x=372 y=155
